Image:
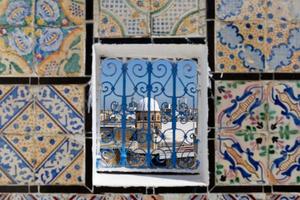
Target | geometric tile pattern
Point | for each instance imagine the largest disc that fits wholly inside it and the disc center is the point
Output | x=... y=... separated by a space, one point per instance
x=44 y=109
x=42 y=134
x=131 y=18
x=258 y=35
x=42 y=38
x=41 y=160
x=258 y=137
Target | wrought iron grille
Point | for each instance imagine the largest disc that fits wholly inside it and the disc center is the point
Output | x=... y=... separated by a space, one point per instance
x=148 y=114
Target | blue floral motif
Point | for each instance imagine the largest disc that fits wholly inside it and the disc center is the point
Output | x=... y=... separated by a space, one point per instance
x=21 y=42
x=51 y=39
x=294 y=39
x=16 y=12
x=48 y=10
x=229 y=35
x=229 y=8
x=280 y=56
x=252 y=58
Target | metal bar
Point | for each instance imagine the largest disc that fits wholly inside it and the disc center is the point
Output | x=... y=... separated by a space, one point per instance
x=174 y=106
x=149 y=134
x=124 y=105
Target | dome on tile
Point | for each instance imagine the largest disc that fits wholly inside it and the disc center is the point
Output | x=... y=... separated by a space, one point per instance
x=143 y=105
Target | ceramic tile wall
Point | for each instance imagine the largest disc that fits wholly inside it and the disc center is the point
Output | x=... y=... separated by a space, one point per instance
x=257 y=122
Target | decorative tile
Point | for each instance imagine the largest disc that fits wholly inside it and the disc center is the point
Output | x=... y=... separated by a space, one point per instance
x=16 y=51
x=178 y=18
x=60 y=109
x=15 y=160
x=17 y=109
x=254 y=196
x=59 y=12
x=240 y=106
x=284 y=163
x=283 y=47
x=126 y=18
x=16 y=13
x=59 y=160
x=284 y=109
x=241 y=159
x=284 y=196
x=240 y=46
x=283 y=10
x=44 y=109
x=240 y=10
x=60 y=51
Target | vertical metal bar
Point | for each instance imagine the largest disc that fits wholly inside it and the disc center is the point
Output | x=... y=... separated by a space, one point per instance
x=174 y=106
x=124 y=105
x=149 y=134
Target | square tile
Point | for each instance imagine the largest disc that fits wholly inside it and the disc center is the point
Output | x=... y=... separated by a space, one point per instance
x=16 y=47
x=17 y=109
x=284 y=114
x=239 y=46
x=178 y=18
x=282 y=46
x=240 y=10
x=241 y=159
x=284 y=163
x=60 y=51
x=59 y=160
x=60 y=109
x=16 y=154
x=59 y=13
x=240 y=105
x=16 y=13
x=126 y=18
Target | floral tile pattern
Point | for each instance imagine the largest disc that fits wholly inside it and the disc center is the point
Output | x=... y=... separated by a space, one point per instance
x=132 y=18
x=60 y=51
x=241 y=159
x=59 y=13
x=53 y=109
x=177 y=17
x=284 y=106
x=42 y=38
x=284 y=158
x=16 y=51
x=240 y=106
x=16 y=13
x=278 y=122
